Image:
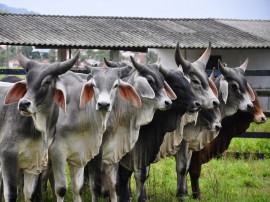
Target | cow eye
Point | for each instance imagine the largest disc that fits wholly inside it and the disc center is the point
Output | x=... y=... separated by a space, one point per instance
x=47 y=82
x=196 y=82
x=150 y=80
x=234 y=86
x=116 y=85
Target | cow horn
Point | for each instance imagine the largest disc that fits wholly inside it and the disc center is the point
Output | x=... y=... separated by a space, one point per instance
x=206 y=55
x=24 y=62
x=163 y=71
x=212 y=75
x=158 y=61
x=244 y=65
x=137 y=65
x=224 y=70
x=66 y=65
x=179 y=59
x=109 y=63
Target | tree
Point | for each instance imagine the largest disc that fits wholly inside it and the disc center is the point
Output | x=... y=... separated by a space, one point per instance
x=51 y=55
x=3 y=57
x=27 y=51
x=45 y=55
x=36 y=55
x=151 y=57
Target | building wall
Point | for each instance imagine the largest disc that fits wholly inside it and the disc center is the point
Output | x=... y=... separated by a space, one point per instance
x=259 y=59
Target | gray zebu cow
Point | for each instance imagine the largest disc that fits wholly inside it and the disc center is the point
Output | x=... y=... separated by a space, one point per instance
x=144 y=153
x=27 y=133
x=124 y=124
x=234 y=94
x=79 y=131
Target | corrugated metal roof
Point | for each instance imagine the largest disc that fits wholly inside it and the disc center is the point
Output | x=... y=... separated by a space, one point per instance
x=130 y=33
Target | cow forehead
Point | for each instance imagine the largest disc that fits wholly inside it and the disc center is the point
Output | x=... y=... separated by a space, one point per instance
x=201 y=75
x=105 y=77
x=153 y=71
x=210 y=114
x=36 y=75
x=237 y=75
x=177 y=78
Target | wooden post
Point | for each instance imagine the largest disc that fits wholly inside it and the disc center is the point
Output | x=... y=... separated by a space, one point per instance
x=115 y=55
x=7 y=59
x=61 y=55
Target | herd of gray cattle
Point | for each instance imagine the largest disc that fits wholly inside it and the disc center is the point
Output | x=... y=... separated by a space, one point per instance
x=110 y=123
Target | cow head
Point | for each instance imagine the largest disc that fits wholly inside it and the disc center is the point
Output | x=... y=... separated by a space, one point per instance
x=40 y=87
x=186 y=99
x=102 y=85
x=235 y=92
x=150 y=84
x=203 y=87
x=211 y=118
x=258 y=115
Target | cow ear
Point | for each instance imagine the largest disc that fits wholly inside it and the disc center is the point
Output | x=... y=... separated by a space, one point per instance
x=60 y=95
x=169 y=91
x=224 y=89
x=143 y=88
x=129 y=93
x=213 y=87
x=16 y=92
x=86 y=94
x=250 y=93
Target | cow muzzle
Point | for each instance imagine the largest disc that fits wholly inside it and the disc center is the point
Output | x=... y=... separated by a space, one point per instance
x=24 y=107
x=103 y=106
x=194 y=107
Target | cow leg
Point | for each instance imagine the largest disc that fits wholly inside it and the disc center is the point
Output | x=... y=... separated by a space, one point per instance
x=1 y=183
x=194 y=173
x=30 y=186
x=45 y=176
x=76 y=176
x=141 y=176
x=110 y=172
x=94 y=171
x=59 y=173
x=123 y=184
x=9 y=164
x=182 y=158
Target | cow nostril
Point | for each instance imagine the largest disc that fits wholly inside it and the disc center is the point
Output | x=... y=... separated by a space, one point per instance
x=218 y=127
x=216 y=104
x=263 y=119
x=103 y=105
x=197 y=104
x=167 y=103
x=249 y=107
x=24 y=104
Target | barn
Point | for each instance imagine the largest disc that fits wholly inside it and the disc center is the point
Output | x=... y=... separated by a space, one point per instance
x=232 y=40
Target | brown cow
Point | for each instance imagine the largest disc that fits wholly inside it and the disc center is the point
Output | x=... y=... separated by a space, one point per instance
x=232 y=126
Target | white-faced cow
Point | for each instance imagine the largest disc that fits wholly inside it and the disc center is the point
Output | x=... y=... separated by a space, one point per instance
x=144 y=153
x=234 y=94
x=232 y=126
x=27 y=133
x=124 y=124
x=79 y=131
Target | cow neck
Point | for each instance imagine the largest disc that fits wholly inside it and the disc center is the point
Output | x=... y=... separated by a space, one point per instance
x=225 y=109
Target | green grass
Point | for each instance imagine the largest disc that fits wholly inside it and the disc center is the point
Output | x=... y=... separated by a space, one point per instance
x=222 y=180
x=260 y=145
x=225 y=179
